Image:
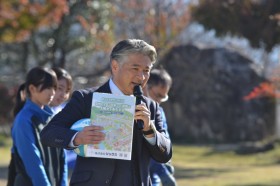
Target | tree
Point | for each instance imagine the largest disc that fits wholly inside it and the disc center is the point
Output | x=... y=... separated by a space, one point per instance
x=256 y=20
x=87 y=27
x=78 y=35
x=159 y=22
x=53 y=31
x=269 y=88
x=18 y=19
x=50 y=33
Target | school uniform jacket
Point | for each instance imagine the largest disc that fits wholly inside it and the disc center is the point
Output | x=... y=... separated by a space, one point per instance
x=91 y=171
x=36 y=164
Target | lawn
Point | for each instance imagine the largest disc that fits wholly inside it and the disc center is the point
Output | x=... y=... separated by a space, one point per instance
x=211 y=165
x=221 y=166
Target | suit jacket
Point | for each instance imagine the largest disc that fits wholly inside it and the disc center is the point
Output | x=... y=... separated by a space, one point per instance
x=91 y=171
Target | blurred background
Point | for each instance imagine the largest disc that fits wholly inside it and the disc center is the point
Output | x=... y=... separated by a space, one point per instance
x=223 y=110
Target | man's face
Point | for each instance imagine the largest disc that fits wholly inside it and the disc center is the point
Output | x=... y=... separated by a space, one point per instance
x=158 y=93
x=134 y=71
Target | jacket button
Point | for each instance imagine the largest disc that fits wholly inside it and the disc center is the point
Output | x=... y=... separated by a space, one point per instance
x=107 y=181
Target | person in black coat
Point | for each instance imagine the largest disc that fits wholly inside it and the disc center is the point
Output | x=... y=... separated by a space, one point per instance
x=131 y=63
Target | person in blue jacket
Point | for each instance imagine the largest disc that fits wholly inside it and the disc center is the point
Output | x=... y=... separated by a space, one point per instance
x=36 y=164
x=157 y=88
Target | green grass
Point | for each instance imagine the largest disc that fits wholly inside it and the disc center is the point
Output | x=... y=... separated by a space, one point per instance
x=5 y=146
x=209 y=165
x=204 y=166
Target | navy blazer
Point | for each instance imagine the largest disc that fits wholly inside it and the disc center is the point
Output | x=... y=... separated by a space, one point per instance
x=91 y=171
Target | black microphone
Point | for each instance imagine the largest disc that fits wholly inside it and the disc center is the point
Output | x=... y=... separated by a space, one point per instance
x=137 y=92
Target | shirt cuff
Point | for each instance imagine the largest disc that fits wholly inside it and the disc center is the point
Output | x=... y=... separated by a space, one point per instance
x=71 y=144
x=152 y=140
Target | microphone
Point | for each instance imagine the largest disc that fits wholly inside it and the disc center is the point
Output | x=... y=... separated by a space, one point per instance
x=137 y=92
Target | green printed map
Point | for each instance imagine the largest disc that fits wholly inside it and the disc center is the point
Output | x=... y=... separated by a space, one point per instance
x=115 y=113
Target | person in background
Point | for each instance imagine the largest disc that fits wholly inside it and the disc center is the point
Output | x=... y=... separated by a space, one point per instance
x=62 y=94
x=36 y=164
x=157 y=88
x=20 y=100
x=63 y=91
x=131 y=63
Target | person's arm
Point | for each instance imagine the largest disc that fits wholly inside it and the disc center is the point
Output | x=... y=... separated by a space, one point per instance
x=150 y=137
x=162 y=150
x=164 y=121
x=58 y=133
x=71 y=144
x=151 y=140
x=30 y=154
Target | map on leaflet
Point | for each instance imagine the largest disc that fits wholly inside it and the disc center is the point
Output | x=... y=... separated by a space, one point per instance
x=115 y=113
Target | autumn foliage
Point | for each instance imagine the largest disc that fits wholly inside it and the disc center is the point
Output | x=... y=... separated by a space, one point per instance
x=265 y=89
x=158 y=22
x=18 y=18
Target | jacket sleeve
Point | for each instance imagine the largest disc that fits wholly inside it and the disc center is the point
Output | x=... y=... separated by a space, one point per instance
x=162 y=150
x=30 y=154
x=58 y=133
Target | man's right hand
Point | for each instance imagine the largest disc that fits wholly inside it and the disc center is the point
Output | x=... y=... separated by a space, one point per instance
x=89 y=135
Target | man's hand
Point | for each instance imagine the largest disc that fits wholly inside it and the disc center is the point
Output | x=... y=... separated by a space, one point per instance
x=143 y=113
x=89 y=135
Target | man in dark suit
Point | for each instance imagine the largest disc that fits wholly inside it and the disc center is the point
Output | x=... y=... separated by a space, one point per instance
x=131 y=63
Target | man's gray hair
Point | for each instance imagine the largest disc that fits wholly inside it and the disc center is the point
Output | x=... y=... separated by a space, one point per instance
x=133 y=46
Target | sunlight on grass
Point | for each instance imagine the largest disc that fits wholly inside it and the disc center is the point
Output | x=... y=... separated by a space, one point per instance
x=205 y=166
x=210 y=166
x=6 y=143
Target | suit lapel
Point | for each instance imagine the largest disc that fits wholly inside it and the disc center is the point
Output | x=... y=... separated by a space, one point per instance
x=104 y=88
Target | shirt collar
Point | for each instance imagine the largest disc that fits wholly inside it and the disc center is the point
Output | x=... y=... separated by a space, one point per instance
x=114 y=88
